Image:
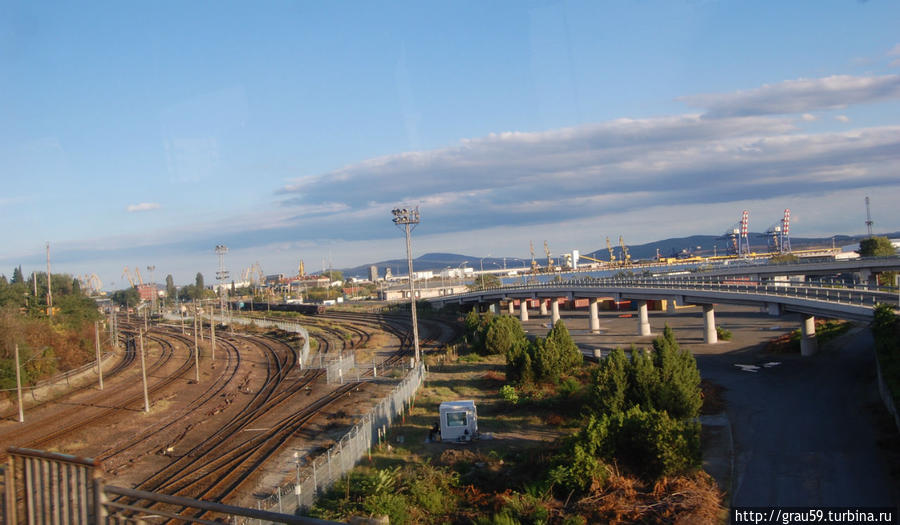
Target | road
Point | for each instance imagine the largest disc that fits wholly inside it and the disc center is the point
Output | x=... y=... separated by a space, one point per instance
x=804 y=430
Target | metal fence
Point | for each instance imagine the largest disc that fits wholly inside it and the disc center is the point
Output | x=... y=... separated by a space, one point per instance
x=57 y=489
x=322 y=471
x=287 y=326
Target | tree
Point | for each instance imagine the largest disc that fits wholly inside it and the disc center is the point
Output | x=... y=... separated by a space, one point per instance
x=678 y=385
x=503 y=333
x=171 y=291
x=485 y=280
x=198 y=286
x=876 y=247
x=17 y=276
x=556 y=354
x=642 y=379
x=609 y=383
x=128 y=297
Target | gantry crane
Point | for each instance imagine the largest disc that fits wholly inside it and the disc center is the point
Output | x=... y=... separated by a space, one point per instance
x=626 y=257
x=534 y=266
x=127 y=275
x=612 y=256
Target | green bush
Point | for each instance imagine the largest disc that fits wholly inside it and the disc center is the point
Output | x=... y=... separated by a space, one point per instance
x=652 y=444
x=509 y=394
x=723 y=334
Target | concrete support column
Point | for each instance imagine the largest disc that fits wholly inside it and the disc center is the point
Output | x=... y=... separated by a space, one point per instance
x=670 y=306
x=494 y=308
x=710 y=336
x=511 y=307
x=543 y=307
x=595 y=318
x=808 y=344
x=643 y=320
x=554 y=310
x=523 y=310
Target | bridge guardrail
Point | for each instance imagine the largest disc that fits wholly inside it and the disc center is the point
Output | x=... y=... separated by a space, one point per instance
x=851 y=296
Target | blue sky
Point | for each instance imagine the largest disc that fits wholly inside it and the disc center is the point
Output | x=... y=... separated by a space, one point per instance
x=138 y=134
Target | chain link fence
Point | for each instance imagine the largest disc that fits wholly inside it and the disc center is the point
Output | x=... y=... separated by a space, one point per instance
x=322 y=471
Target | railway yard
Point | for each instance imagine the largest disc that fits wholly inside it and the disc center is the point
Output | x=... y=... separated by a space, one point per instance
x=242 y=430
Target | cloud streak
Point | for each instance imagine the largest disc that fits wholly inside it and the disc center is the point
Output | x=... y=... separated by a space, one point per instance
x=798 y=96
x=144 y=206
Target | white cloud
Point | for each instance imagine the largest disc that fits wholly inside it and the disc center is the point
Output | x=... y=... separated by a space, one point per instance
x=798 y=96
x=808 y=117
x=842 y=118
x=144 y=206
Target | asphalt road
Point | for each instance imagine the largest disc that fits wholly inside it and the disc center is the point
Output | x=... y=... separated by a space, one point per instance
x=804 y=429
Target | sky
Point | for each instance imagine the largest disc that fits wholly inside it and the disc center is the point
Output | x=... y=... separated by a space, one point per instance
x=147 y=133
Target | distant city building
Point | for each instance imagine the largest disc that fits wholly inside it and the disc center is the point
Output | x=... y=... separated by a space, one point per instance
x=373 y=273
x=274 y=278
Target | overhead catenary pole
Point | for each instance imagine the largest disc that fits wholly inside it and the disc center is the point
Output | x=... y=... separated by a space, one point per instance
x=19 y=386
x=212 y=334
x=144 y=373
x=49 y=286
x=409 y=218
x=196 y=349
x=97 y=345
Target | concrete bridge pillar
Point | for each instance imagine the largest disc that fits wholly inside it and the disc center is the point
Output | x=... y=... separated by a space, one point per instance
x=868 y=277
x=643 y=320
x=808 y=344
x=554 y=309
x=523 y=310
x=494 y=308
x=511 y=307
x=670 y=306
x=595 y=318
x=543 y=307
x=710 y=336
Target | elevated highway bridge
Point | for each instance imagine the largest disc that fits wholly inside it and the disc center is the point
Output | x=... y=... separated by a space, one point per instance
x=855 y=303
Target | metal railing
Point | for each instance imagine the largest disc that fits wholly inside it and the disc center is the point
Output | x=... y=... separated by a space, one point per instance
x=858 y=295
x=322 y=471
x=57 y=489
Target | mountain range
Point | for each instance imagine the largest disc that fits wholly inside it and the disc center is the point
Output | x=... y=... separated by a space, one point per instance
x=703 y=245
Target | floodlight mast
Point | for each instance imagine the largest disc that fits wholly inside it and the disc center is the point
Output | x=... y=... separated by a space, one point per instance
x=407 y=219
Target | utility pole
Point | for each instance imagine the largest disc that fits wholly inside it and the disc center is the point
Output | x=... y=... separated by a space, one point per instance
x=407 y=219
x=19 y=386
x=49 y=286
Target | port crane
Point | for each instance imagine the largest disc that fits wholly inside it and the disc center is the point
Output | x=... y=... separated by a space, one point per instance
x=626 y=257
x=612 y=256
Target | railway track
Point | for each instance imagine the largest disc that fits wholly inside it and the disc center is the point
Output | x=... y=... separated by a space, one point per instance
x=118 y=396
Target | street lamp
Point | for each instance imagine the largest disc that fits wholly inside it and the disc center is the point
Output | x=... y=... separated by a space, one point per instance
x=407 y=219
